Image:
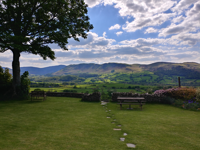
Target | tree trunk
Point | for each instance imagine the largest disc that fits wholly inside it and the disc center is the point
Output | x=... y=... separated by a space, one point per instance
x=16 y=71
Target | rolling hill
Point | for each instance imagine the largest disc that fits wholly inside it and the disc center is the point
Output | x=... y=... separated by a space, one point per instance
x=156 y=73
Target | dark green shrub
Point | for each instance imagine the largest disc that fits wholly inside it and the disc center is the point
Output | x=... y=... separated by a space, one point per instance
x=178 y=103
x=38 y=90
x=168 y=100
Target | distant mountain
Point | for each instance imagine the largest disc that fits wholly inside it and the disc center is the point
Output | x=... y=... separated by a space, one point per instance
x=42 y=71
x=98 y=69
x=188 y=69
x=39 y=71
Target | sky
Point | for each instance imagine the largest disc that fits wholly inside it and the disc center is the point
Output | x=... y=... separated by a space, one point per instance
x=131 y=32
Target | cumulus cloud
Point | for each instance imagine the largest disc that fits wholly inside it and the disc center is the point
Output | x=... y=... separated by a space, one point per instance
x=178 y=19
x=93 y=40
x=119 y=33
x=143 y=42
x=104 y=34
x=117 y=26
x=183 y=4
x=185 y=39
x=190 y=23
x=140 y=23
x=93 y=3
x=150 y=30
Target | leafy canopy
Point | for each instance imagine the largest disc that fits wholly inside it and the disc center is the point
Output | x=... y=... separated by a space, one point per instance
x=29 y=25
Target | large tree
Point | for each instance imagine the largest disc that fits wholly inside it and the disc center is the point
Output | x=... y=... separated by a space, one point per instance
x=29 y=25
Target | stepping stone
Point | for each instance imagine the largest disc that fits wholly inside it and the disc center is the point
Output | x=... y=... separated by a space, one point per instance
x=108 y=117
x=112 y=122
x=109 y=110
x=131 y=145
x=119 y=125
x=122 y=139
x=103 y=103
x=125 y=134
x=116 y=129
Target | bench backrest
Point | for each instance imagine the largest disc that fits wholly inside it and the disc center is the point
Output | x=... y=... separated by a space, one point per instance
x=131 y=99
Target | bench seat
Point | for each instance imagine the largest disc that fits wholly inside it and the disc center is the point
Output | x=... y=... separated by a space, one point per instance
x=38 y=94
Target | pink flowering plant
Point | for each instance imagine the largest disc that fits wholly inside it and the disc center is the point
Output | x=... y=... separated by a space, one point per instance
x=177 y=93
x=180 y=97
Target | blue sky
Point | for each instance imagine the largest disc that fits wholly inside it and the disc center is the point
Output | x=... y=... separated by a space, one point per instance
x=132 y=32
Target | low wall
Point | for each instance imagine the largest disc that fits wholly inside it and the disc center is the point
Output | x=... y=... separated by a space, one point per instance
x=148 y=97
x=65 y=94
x=94 y=97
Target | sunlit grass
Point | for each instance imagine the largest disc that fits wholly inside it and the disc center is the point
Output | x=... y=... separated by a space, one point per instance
x=68 y=123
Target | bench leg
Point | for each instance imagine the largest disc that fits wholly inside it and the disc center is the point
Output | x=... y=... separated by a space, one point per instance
x=129 y=106
x=120 y=106
x=141 y=107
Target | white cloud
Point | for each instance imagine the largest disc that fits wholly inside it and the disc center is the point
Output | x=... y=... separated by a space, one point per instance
x=178 y=19
x=150 y=30
x=93 y=40
x=104 y=34
x=190 y=23
x=93 y=3
x=140 y=23
x=184 y=39
x=117 y=26
x=183 y=4
x=119 y=33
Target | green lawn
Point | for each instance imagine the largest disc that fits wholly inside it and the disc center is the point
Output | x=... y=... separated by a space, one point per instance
x=67 y=123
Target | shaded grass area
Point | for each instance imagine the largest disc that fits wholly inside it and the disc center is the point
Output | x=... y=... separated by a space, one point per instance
x=159 y=127
x=57 y=123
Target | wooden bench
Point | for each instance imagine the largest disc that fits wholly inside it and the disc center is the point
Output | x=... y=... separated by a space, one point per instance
x=131 y=101
x=38 y=94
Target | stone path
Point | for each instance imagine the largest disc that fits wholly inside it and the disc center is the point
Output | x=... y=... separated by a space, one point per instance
x=104 y=104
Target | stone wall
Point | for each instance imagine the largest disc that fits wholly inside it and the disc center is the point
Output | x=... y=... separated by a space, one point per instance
x=65 y=94
x=148 y=97
x=94 y=97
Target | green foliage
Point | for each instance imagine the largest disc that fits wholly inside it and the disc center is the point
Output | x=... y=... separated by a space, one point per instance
x=24 y=89
x=38 y=90
x=29 y=26
x=168 y=100
x=53 y=22
x=178 y=103
x=44 y=84
x=86 y=92
x=95 y=90
x=191 y=105
x=198 y=94
x=5 y=82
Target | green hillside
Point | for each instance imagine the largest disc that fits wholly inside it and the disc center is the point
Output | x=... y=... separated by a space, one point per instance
x=156 y=73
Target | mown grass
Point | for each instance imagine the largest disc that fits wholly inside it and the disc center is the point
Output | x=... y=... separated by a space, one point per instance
x=159 y=127
x=68 y=123
x=57 y=123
